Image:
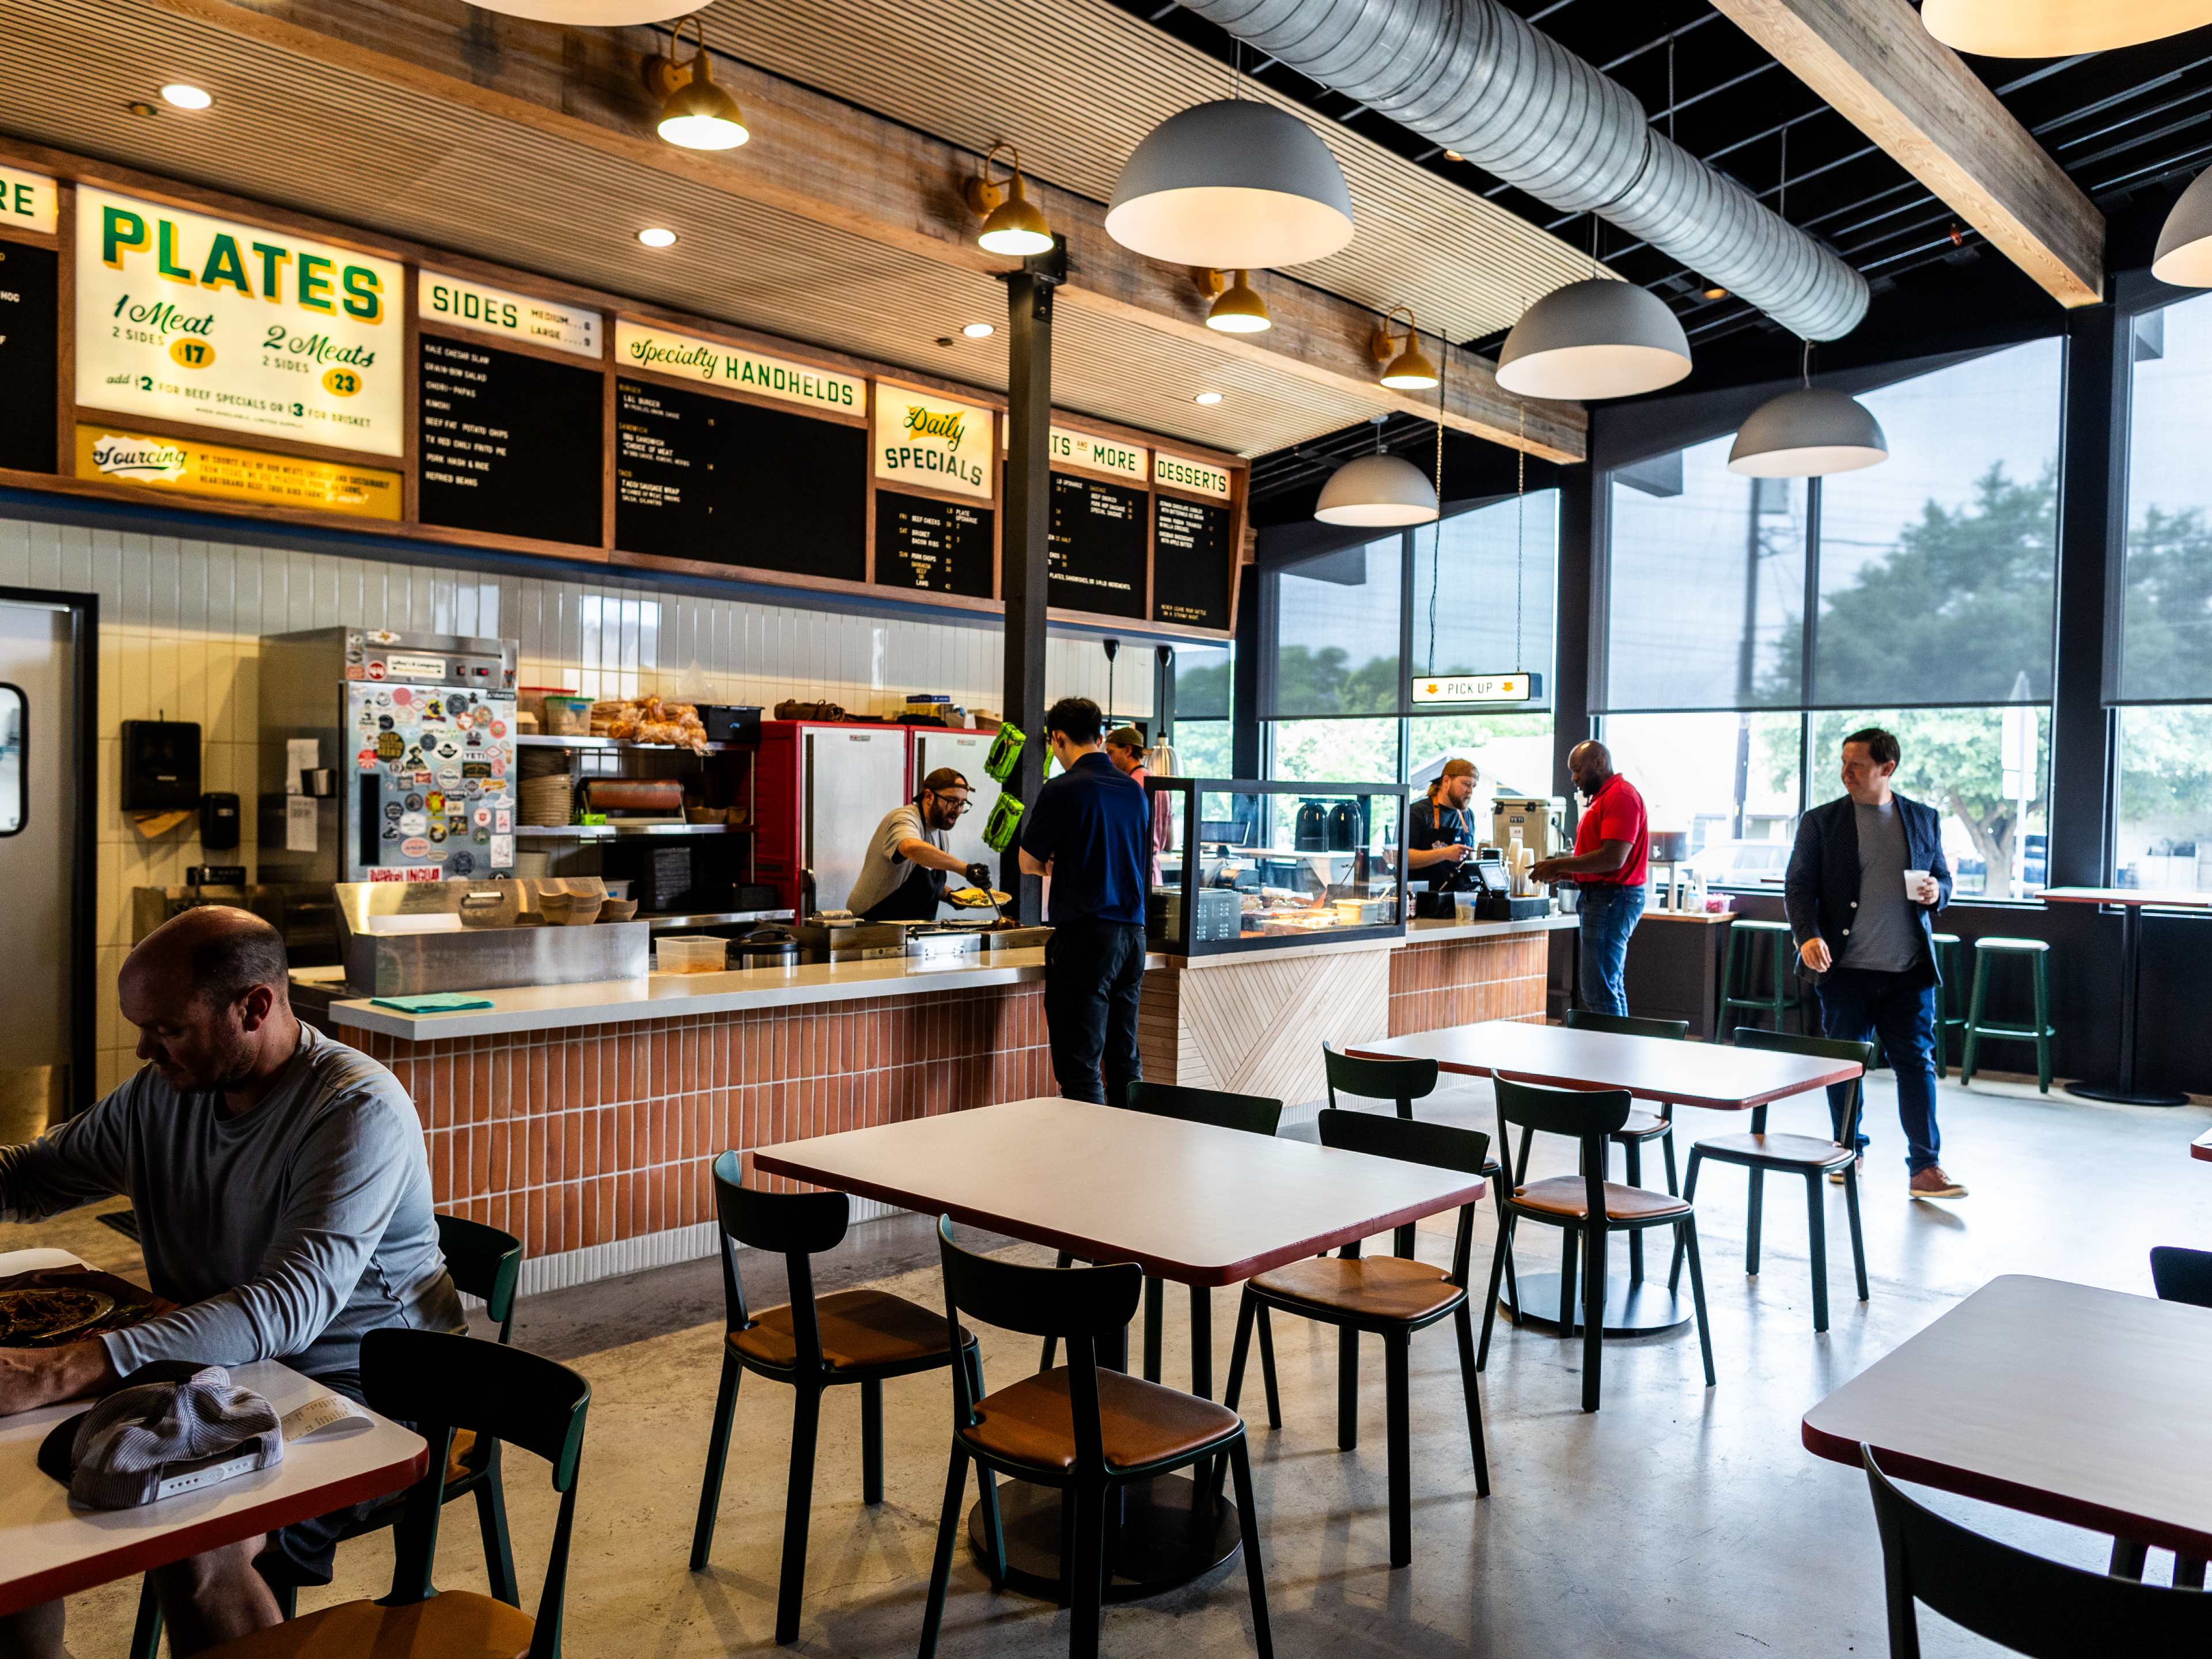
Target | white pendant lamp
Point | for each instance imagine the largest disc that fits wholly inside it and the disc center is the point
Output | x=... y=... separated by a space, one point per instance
x=1379 y=491
x=1232 y=185
x=590 y=14
x=1808 y=433
x=1594 y=339
x=2184 y=245
x=2058 y=28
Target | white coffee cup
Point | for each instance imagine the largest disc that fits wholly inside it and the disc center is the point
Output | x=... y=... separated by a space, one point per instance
x=1912 y=880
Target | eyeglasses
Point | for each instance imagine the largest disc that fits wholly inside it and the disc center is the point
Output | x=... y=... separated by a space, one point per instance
x=959 y=804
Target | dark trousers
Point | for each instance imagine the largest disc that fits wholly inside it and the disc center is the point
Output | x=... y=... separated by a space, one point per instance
x=1092 y=973
x=1899 y=1008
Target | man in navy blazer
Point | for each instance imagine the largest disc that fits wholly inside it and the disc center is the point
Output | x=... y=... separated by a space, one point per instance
x=1866 y=876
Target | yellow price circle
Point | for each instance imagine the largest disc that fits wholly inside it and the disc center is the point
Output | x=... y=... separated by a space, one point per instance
x=341 y=382
x=190 y=351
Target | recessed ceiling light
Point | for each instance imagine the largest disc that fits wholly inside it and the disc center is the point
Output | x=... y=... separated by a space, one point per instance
x=1209 y=399
x=980 y=331
x=185 y=95
x=657 y=236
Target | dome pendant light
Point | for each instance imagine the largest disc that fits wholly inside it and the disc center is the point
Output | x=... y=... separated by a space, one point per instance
x=694 y=112
x=1591 y=339
x=1377 y=491
x=2184 y=245
x=1406 y=367
x=1238 y=309
x=587 y=13
x=1233 y=184
x=1808 y=433
x=2056 y=29
x=1012 y=223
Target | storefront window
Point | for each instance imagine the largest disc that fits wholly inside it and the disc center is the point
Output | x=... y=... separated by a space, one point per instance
x=1728 y=781
x=1337 y=624
x=2165 y=829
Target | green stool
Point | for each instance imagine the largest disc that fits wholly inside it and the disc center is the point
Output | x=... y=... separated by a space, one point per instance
x=1745 y=935
x=1947 y=1017
x=2037 y=952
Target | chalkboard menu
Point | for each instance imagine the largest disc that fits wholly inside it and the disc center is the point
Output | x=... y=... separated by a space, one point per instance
x=936 y=547
x=510 y=444
x=1096 y=557
x=698 y=477
x=30 y=332
x=1191 y=563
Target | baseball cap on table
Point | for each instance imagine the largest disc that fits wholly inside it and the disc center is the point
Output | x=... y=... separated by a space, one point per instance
x=170 y=1422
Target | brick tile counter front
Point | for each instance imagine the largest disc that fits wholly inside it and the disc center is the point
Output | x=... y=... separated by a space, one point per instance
x=592 y=1144
x=1458 y=982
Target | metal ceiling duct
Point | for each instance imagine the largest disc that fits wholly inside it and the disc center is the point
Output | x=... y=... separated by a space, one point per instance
x=1474 y=78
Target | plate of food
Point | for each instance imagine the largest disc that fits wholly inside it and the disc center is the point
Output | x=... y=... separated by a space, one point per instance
x=976 y=898
x=41 y=1308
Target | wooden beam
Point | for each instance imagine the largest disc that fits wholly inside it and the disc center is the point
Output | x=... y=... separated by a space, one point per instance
x=1913 y=96
x=825 y=163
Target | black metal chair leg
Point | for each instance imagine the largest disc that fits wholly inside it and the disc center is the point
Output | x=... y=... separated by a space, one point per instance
x=2128 y=1558
x=871 y=1442
x=1201 y=1342
x=2188 y=1572
x=798 y=1510
x=1348 y=1388
x=1248 y=1307
x=1688 y=1228
x=1667 y=1146
x=1512 y=1290
x=940 y=1566
x=1569 y=1242
x=1052 y=1343
x=1758 y=1207
x=1689 y=1196
x=1155 y=1304
x=1490 y=1302
x=1248 y=1523
x=492 y=1522
x=287 y=1600
x=1090 y=1573
x=1267 y=1369
x=146 y=1633
x=1858 y=1239
x=1398 y=1417
x=1816 y=1236
x=1635 y=1151
x=1594 y=1313
x=718 y=1451
x=994 y=1532
x=1463 y=1323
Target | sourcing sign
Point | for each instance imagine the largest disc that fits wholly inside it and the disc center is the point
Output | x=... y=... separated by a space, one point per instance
x=921 y=438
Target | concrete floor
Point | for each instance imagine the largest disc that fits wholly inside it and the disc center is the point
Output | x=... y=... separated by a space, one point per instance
x=1678 y=1521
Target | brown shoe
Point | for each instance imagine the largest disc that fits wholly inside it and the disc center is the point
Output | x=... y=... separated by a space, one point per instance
x=1857 y=1168
x=1932 y=1182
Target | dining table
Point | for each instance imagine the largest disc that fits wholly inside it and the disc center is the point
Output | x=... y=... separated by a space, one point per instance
x=2202 y=1147
x=1188 y=1202
x=2130 y=902
x=2060 y=1400
x=1662 y=1070
x=51 y=1547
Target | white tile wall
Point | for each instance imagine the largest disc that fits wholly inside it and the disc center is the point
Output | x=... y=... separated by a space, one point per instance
x=180 y=621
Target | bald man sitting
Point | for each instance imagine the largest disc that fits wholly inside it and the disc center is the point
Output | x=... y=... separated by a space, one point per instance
x=282 y=1198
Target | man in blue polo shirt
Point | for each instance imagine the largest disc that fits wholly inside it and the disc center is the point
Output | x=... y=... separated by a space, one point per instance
x=1089 y=832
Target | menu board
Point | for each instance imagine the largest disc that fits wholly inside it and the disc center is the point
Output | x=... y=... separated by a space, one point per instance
x=509 y=444
x=1096 y=560
x=30 y=335
x=699 y=477
x=1191 y=564
x=936 y=547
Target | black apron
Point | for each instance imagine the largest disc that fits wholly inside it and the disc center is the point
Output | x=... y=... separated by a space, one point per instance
x=914 y=899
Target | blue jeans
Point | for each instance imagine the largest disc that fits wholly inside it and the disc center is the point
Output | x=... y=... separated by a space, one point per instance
x=1609 y=912
x=1858 y=1004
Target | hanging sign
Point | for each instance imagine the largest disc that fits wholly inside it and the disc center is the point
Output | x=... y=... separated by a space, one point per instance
x=1478 y=688
x=28 y=201
x=236 y=475
x=487 y=310
x=219 y=323
x=1198 y=477
x=717 y=362
x=925 y=438
x=1098 y=454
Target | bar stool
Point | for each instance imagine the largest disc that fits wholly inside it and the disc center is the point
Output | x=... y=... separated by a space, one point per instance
x=2038 y=953
x=1947 y=1017
x=1745 y=936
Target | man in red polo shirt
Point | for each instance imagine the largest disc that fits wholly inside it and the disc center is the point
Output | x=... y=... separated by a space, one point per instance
x=1613 y=849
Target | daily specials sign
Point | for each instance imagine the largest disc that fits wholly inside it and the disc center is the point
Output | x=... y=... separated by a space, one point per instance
x=1098 y=454
x=487 y=310
x=925 y=439
x=223 y=324
x=717 y=362
x=28 y=201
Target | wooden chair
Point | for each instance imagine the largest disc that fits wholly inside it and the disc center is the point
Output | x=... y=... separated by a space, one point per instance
x=1391 y=1296
x=1086 y=1429
x=2178 y=1274
x=443 y=1384
x=849 y=1337
x=1643 y=1124
x=487 y=1264
x=2042 y=1608
x=1586 y=1208
x=1810 y=1156
x=1250 y=1113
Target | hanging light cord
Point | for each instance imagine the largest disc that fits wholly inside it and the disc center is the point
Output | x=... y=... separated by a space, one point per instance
x=1520 y=522
x=1437 y=545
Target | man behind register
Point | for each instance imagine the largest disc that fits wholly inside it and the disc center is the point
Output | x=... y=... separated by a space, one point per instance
x=903 y=874
x=1440 y=831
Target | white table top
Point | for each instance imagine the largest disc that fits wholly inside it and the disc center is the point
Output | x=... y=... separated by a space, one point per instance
x=49 y=1549
x=2141 y=897
x=2060 y=1400
x=1192 y=1203
x=1707 y=1074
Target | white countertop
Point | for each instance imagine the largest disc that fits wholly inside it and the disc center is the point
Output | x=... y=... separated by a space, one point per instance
x=1437 y=931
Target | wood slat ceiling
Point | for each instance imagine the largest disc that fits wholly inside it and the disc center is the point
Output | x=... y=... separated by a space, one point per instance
x=1078 y=84
x=354 y=149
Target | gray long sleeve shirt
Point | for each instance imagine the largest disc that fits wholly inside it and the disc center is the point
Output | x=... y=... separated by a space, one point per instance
x=287 y=1232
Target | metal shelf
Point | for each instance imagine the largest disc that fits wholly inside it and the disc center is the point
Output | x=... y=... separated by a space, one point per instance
x=541 y=740
x=613 y=831
x=714 y=919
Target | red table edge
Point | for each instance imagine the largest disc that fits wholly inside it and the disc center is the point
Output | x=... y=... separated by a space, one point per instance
x=1092 y=1250
x=2202 y=1147
x=1845 y=1071
x=2005 y=1494
x=144 y=1555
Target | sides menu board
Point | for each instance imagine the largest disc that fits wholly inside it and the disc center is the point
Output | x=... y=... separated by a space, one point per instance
x=510 y=444
x=30 y=335
x=1096 y=557
x=698 y=477
x=1191 y=563
x=936 y=547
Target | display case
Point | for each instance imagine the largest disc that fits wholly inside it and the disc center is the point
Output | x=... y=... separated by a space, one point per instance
x=1253 y=865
